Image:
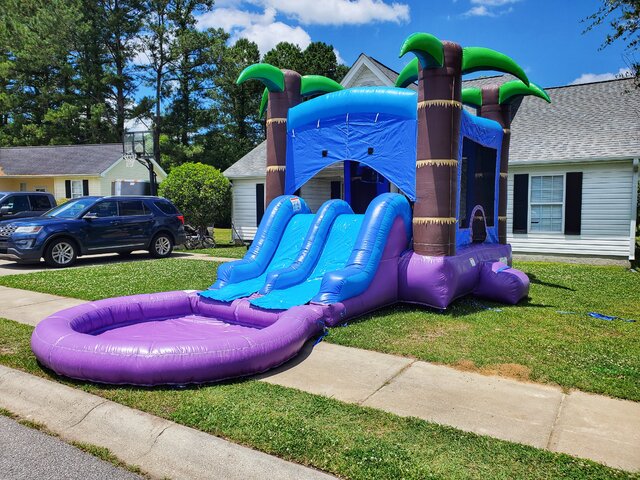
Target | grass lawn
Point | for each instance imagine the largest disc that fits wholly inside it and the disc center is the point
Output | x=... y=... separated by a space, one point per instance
x=347 y=440
x=118 y=279
x=224 y=247
x=531 y=341
x=537 y=340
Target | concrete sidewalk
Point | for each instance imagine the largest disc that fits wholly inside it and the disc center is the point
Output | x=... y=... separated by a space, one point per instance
x=590 y=426
x=159 y=447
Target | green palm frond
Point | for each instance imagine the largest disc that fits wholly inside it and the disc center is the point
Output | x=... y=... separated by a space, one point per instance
x=472 y=96
x=480 y=58
x=509 y=90
x=263 y=103
x=409 y=74
x=272 y=77
x=426 y=47
x=314 y=84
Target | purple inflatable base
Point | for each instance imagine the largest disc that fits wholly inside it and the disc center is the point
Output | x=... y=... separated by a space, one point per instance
x=179 y=338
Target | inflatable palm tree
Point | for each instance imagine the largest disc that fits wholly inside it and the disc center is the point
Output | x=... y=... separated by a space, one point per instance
x=284 y=89
x=494 y=102
x=440 y=66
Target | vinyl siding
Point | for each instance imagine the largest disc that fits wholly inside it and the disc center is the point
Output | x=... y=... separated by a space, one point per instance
x=243 y=208
x=607 y=195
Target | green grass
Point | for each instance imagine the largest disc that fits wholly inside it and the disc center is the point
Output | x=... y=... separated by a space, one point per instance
x=118 y=279
x=224 y=247
x=532 y=340
x=347 y=440
x=105 y=455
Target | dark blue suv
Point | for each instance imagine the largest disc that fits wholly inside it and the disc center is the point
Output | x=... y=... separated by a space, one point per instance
x=91 y=225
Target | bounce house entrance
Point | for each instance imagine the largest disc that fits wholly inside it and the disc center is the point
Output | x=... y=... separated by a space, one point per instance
x=478 y=179
x=364 y=184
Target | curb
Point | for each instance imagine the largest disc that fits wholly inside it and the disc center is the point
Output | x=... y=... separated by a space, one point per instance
x=159 y=447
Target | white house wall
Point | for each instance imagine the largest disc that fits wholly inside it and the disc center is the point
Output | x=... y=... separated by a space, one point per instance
x=243 y=208
x=607 y=196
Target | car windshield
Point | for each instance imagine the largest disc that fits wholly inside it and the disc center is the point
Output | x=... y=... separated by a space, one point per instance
x=71 y=209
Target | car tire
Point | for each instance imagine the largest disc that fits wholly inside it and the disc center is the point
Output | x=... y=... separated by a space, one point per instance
x=61 y=253
x=161 y=246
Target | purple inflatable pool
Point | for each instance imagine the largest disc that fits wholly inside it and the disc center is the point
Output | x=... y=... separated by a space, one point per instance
x=131 y=340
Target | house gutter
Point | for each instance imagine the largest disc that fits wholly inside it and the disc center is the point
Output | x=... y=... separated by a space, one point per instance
x=526 y=163
x=634 y=210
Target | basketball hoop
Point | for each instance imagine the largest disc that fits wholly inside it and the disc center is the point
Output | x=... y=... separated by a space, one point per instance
x=129 y=160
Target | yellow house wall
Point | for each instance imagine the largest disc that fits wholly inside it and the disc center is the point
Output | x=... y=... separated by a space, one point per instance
x=13 y=184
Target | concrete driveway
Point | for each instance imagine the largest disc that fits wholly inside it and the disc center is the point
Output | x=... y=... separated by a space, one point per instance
x=9 y=267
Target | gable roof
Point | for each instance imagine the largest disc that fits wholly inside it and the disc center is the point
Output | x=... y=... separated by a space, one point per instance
x=253 y=164
x=59 y=159
x=592 y=121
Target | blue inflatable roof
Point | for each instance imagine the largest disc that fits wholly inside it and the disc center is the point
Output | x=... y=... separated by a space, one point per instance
x=375 y=126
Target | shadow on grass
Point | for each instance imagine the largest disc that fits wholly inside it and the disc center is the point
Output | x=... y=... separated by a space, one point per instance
x=534 y=279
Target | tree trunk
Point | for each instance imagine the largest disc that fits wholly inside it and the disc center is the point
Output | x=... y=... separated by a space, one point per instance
x=439 y=115
x=492 y=110
x=278 y=107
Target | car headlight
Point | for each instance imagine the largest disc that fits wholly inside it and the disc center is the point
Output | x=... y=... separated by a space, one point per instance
x=28 y=229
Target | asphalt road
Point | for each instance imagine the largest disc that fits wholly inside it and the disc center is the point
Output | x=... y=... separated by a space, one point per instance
x=26 y=453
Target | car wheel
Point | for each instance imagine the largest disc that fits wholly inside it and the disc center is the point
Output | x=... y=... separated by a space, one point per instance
x=61 y=253
x=161 y=246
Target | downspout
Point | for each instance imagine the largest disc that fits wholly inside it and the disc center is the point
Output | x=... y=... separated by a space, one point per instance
x=634 y=210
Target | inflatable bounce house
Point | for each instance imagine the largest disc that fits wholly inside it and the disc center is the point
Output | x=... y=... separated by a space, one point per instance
x=441 y=236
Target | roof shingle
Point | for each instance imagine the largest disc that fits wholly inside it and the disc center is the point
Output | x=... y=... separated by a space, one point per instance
x=59 y=159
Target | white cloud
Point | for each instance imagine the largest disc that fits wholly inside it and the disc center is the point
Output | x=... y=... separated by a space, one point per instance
x=339 y=12
x=261 y=28
x=338 y=56
x=601 y=77
x=493 y=3
x=489 y=8
x=479 y=11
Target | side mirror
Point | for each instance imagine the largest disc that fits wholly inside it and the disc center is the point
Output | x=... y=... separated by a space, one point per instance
x=90 y=216
x=5 y=210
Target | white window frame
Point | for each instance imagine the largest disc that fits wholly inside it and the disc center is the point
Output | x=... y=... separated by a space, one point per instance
x=40 y=189
x=562 y=205
x=76 y=194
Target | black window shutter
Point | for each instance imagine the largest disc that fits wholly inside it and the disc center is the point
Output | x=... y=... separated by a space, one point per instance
x=67 y=189
x=259 y=202
x=85 y=187
x=573 y=204
x=336 y=190
x=520 y=203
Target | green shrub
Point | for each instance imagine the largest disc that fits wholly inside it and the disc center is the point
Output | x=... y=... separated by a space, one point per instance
x=200 y=192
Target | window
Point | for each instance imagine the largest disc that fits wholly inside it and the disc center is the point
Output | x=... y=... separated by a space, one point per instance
x=40 y=189
x=16 y=204
x=166 y=207
x=23 y=187
x=105 y=209
x=547 y=203
x=76 y=188
x=130 y=208
x=40 y=202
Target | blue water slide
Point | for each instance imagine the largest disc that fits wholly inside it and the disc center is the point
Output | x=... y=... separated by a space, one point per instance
x=355 y=278
x=350 y=256
x=313 y=246
x=265 y=243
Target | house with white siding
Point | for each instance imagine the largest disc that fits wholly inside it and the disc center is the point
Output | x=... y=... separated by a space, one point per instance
x=573 y=168
x=70 y=171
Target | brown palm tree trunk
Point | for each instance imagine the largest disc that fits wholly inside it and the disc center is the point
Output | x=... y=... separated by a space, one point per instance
x=439 y=114
x=492 y=110
x=277 y=109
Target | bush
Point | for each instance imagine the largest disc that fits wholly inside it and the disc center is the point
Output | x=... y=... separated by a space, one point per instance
x=200 y=192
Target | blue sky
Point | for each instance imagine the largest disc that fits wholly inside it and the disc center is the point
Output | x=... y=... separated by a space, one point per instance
x=544 y=38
